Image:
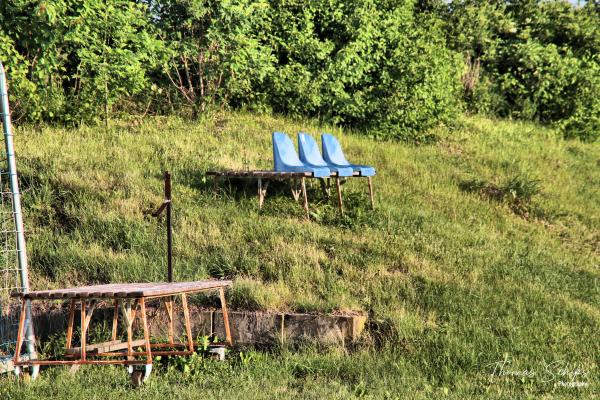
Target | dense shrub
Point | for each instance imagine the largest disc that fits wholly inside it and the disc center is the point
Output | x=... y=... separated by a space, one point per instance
x=370 y=64
x=389 y=68
x=533 y=60
x=70 y=59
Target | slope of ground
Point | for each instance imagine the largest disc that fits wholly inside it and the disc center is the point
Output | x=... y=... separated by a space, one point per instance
x=483 y=251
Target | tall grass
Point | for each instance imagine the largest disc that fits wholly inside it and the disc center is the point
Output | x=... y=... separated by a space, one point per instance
x=454 y=280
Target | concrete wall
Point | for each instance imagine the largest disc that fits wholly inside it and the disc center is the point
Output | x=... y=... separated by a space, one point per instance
x=247 y=327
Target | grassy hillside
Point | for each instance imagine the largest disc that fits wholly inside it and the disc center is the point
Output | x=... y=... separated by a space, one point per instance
x=483 y=247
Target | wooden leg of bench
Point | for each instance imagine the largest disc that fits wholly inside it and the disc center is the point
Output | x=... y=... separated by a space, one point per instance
x=303 y=183
x=371 y=193
x=169 y=307
x=129 y=315
x=225 y=316
x=21 y=331
x=115 y=323
x=146 y=332
x=262 y=192
x=339 y=193
x=70 y=324
x=186 y=316
x=83 y=330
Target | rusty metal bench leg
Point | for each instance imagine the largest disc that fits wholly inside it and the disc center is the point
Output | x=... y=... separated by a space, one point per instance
x=370 y=182
x=225 y=316
x=339 y=193
x=186 y=316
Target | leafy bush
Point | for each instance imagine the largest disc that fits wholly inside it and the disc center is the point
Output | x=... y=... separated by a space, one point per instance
x=393 y=69
x=369 y=64
x=67 y=59
x=534 y=60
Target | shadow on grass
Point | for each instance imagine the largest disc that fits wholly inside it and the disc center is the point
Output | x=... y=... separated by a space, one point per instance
x=279 y=201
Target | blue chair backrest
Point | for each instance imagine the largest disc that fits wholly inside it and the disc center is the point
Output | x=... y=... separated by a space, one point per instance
x=332 y=151
x=284 y=152
x=309 y=150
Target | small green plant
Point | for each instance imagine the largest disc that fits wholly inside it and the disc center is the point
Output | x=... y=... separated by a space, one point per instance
x=246 y=357
x=517 y=192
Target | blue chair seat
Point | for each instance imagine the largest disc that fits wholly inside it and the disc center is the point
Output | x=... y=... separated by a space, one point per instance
x=311 y=156
x=335 y=158
x=286 y=159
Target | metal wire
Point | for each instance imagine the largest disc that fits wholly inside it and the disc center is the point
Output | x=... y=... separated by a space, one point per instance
x=9 y=267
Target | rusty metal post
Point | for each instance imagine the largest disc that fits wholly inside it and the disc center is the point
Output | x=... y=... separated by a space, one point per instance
x=169 y=227
x=166 y=204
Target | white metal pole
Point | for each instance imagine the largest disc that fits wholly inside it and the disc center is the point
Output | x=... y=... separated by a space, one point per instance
x=17 y=213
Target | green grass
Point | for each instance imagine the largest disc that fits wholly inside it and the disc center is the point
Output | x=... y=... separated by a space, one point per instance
x=483 y=247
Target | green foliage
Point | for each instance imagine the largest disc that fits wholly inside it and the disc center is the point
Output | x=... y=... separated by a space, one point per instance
x=369 y=64
x=212 y=50
x=111 y=50
x=531 y=60
x=392 y=69
x=69 y=59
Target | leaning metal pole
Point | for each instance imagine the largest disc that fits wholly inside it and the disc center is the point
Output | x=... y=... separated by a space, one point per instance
x=17 y=213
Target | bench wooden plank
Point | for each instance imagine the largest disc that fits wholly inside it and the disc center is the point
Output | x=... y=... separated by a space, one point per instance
x=106 y=347
x=260 y=174
x=126 y=290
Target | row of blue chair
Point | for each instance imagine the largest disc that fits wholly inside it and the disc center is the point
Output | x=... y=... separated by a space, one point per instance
x=332 y=162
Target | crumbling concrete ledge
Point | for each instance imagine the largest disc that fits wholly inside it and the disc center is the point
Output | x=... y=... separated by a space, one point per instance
x=259 y=328
x=267 y=328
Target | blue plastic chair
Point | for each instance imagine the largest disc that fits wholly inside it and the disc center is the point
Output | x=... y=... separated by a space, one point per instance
x=311 y=156
x=334 y=156
x=286 y=159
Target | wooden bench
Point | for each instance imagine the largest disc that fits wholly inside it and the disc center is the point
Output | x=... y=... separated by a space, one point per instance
x=263 y=178
x=127 y=298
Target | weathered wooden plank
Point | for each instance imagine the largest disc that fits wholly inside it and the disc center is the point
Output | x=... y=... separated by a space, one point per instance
x=92 y=347
x=126 y=290
x=261 y=174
